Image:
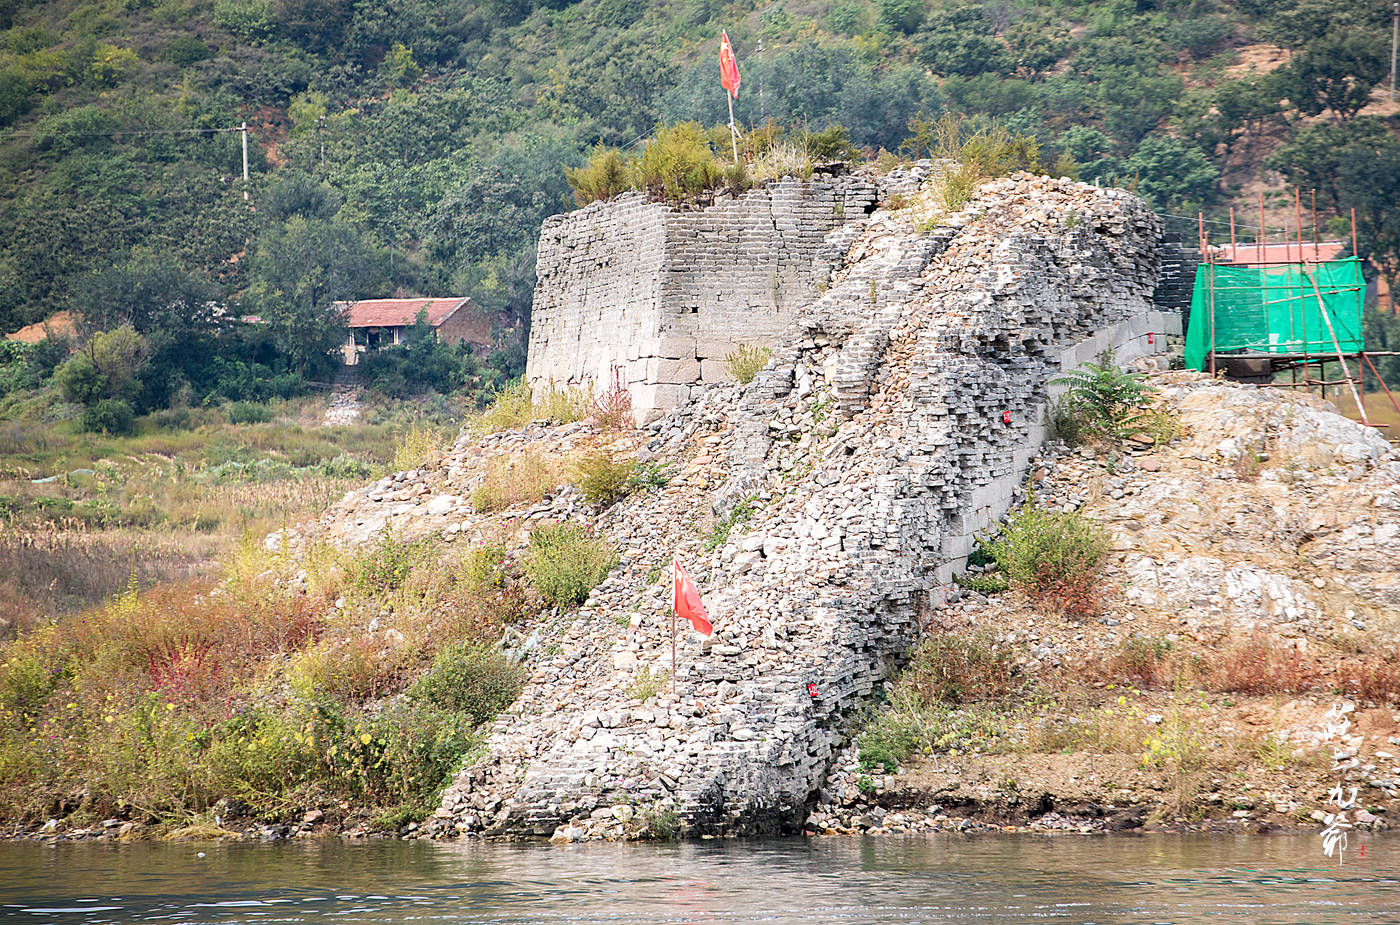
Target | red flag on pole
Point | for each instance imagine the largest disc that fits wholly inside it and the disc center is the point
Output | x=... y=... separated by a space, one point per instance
x=728 y=67
x=687 y=600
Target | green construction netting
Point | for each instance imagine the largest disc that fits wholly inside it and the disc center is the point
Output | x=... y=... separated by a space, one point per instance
x=1275 y=309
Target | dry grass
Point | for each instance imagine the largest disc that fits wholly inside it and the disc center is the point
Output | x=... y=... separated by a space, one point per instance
x=84 y=514
x=1261 y=664
x=51 y=571
x=516 y=478
x=1374 y=678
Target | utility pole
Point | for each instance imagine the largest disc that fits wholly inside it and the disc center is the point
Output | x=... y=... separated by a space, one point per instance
x=1394 y=36
x=244 y=129
x=763 y=112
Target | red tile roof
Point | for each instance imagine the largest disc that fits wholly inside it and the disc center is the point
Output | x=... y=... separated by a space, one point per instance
x=389 y=313
x=1247 y=255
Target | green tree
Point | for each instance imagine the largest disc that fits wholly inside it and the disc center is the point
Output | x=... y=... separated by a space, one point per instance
x=1337 y=72
x=958 y=40
x=1172 y=175
x=108 y=366
x=1352 y=165
x=901 y=15
x=173 y=311
x=300 y=268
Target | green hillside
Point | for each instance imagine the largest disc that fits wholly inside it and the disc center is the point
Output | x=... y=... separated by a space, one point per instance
x=412 y=146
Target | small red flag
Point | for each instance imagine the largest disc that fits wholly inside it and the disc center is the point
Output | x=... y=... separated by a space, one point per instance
x=728 y=67
x=687 y=600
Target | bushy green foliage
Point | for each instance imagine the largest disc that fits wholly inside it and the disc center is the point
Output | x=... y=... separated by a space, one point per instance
x=911 y=725
x=745 y=362
x=566 y=561
x=468 y=679
x=385 y=565
x=109 y=416
x=1052 y=556
x=1105 y=400
x=604 y=479
x=607 y=173
x=678 y=165
x=247 y=412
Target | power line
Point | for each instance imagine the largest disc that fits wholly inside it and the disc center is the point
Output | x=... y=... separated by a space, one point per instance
x=149 y=131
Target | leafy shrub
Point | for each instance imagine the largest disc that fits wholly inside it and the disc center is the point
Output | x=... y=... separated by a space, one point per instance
x=744 y=363
x=736 y=177
x=1052 y=556
x=607 y=173
x=894 y=735
x=647 y=683
x=345 y=466
x=604 y=479
x=993 y=583
x=830 y=144
x=962 y=668
x=109 y=416
x=514 y=479
x=1107 y=400
x=251 y=19
x=910 y=725
x=247 y=412
x=26 y=681
x=650 y=476
x=471 y=680
x=678 y=165
x=483 y=568
x=567 y=561
x=185 y=50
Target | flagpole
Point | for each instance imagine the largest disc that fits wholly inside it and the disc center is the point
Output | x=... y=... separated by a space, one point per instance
x=733 y=132
x=674 y=577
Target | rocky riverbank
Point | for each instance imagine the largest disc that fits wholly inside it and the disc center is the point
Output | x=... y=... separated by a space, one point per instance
x=1251 y=588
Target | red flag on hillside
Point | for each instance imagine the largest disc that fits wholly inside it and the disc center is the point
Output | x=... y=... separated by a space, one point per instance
x=728 y=67
x=687 y=600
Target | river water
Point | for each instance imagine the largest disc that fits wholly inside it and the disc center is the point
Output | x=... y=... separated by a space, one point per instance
x=943 y=878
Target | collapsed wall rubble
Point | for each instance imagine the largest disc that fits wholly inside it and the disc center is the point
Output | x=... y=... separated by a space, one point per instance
x=848 y=479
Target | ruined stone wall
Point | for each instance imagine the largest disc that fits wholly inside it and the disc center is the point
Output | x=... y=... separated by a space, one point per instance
x=659 y=295
x=895 y=421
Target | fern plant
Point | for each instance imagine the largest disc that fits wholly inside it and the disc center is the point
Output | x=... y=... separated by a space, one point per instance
x=1107 y=400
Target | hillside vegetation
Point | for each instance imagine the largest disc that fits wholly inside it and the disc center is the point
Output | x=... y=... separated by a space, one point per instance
x=413 y=146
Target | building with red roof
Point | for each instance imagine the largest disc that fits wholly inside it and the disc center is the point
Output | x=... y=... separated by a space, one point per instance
x=376 y=323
